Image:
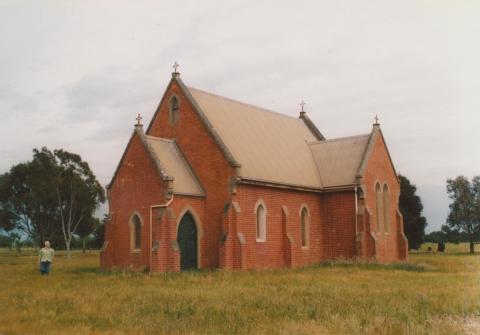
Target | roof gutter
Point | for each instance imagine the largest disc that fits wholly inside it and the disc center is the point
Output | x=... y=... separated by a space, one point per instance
x=278 y=185
x=349 y=187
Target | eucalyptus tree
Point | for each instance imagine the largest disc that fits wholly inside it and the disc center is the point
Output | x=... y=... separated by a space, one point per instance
x=464 y=214
x=51 y=196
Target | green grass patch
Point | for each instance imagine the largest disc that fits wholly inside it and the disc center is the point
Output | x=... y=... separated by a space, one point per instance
x=431 y=294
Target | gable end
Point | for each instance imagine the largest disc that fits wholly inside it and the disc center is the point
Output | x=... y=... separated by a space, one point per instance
x=211 y=130
x=376 y=132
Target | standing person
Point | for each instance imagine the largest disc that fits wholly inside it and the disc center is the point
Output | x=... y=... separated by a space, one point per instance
x=45 y=258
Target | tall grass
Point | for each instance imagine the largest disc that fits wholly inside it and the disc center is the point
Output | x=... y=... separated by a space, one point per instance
x=432 y=294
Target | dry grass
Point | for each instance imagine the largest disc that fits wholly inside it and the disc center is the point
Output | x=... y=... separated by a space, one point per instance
x=433 y=294
x=458 y=248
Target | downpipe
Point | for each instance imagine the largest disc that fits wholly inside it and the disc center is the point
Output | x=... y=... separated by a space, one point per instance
x=151 y=232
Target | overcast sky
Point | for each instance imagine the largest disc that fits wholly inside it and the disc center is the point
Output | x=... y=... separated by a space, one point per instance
x=74 y=74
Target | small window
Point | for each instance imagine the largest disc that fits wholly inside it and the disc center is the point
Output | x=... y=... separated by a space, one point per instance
x=378 y=205
x=304 y=226
x=261 y=223
x=135 y=232
x=386 y=208
x=173 y=110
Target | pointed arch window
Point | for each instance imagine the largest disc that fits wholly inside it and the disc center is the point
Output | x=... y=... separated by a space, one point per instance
x=379 y=206
x=261 y=215
x=386 y=208
x=304 y=227
x=135 y=233
x=173 y=110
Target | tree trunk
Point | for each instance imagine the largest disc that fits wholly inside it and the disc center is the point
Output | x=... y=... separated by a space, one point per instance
x=83 y=240
x=67 y=247
x=472 y=247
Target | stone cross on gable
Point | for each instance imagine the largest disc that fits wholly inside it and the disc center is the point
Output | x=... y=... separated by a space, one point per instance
x=376 y=120
x=175 y=67
x=138 y=118
x=302 y=104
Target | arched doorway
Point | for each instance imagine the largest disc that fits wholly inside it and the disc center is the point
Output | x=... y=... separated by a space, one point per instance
x=187 y=241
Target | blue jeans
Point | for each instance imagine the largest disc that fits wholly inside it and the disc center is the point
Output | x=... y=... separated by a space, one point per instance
x=45 y=268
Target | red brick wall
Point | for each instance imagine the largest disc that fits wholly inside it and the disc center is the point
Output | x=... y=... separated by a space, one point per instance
x=331 y=226
x=271 y=252
x=205 y=158
x=339 y=227
x=165 y=228
x=136 y=187
x=380 y=170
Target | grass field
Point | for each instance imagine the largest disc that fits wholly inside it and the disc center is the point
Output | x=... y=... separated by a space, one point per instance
x=432 y=294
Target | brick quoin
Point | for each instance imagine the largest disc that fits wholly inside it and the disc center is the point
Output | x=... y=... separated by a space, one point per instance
x=342 y=223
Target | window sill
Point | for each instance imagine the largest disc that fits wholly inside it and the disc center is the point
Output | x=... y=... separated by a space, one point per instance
x=135 y=251
x=261 y=240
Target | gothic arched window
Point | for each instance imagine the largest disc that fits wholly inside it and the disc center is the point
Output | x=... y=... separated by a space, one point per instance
x=261 y=214
x=173 y=110
x=378 y=205
x=304 y=227
x=135 y=232
x=386 y=209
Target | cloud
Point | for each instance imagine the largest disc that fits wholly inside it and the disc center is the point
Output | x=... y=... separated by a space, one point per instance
x=75 y=75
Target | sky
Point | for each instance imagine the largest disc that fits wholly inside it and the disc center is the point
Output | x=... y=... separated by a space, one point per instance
x=74 y=74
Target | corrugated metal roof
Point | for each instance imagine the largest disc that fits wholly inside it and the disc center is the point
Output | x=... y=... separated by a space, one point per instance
x=338 y=160
x=174 y=165
x=270 y=147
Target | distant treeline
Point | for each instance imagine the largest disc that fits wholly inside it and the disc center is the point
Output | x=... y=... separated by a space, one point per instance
x=14 y=241
x=447 y=235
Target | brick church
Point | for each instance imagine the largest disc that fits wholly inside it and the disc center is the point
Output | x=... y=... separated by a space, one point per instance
x=217 y=183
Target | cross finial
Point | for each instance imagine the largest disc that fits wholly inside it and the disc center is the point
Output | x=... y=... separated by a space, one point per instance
x=376 y=121
x=138 y=118
x=175 y=67
x=302 y=105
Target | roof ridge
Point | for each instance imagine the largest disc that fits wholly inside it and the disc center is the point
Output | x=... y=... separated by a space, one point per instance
x=243 y=103
x=155 y=138
x=338 y=139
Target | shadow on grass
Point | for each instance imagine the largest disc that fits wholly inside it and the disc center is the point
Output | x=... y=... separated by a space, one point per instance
x=361 y=265
x=86 y=270
x=374 y=266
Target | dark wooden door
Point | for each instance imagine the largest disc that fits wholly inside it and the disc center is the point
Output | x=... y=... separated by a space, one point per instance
x=187 y=241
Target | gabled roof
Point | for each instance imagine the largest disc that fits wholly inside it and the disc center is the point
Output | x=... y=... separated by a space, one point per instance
x=174 y=164
x=269 y=146
x=169 y=162
x=338 y=160
x=275 y=149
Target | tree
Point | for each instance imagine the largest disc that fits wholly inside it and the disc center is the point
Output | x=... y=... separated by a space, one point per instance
x=85 y=230
x=436 y=237
x=411 y=207
x=464 y=214
x=16 y=241
x=5 y=241
x=99 y=233
x=49 y=197
x=78 y=192
x=27 y=200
